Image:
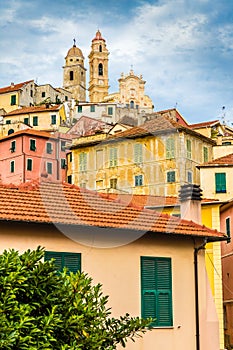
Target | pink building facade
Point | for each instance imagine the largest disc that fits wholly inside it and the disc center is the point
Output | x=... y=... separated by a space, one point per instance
x=28 y=155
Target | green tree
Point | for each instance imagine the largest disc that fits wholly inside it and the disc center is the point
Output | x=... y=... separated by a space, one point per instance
x=43 y=309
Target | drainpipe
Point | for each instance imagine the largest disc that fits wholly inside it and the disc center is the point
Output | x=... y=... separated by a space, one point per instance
x=196 y=251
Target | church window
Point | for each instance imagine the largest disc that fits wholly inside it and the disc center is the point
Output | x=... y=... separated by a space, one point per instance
x=100 y=69
x=131 y=104
x=71 y=75
x=100 y=48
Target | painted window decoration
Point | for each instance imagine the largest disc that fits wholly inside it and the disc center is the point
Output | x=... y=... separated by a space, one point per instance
x=72 y=261
x=220 y=183
x=189 y=149
x=82 y=161
x=138 y=153
x=156 y=290
x=138 y=180
x=170 y=148
x=228 y=229
x=205 y=155
x=171 y=176
x=113 y=157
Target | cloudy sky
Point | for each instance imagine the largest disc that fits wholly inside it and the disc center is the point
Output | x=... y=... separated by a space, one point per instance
x=183 y=48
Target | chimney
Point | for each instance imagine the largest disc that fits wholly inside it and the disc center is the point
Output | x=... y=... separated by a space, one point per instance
x=12 y=84
x=190 y=202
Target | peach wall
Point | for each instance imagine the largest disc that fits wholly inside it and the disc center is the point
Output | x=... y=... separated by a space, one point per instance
x=118 y=269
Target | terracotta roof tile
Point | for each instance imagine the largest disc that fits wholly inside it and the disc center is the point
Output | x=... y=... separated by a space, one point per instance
x=222 y=161
x=203 y=124
x=33 y=109
x=14 y=87
x=30 y=132
x=68 y=204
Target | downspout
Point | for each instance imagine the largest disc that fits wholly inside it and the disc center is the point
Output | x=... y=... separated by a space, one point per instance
x=196 y=251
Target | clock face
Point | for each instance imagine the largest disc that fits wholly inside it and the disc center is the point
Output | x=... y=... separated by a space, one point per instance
x=101 y=82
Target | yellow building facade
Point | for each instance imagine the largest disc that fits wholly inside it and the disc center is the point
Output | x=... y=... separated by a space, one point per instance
x=155 y=158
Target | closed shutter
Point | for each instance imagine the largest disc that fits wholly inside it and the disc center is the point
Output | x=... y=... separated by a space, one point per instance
x=156 y=290
x=220 y=182
x=72 y=261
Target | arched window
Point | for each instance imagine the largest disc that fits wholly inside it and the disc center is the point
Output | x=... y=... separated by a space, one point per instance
x=100 y=69
x=11 y=131
x=131 y=104
x=100 y=48
x=71 y=75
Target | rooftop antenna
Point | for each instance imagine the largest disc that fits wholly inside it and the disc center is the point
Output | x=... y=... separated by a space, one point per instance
x=223 y=115
x=74 y=40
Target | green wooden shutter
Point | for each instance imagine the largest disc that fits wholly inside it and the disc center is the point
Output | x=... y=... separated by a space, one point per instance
x=220 y=182
x=138 y=153
x=72 y=261
x=156 y=290
x=205 y=154
x=113 y=157
x=170 y=148
x=189 y=149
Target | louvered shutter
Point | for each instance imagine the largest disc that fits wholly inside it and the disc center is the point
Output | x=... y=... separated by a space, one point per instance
x=156 y=294
x=70 y=260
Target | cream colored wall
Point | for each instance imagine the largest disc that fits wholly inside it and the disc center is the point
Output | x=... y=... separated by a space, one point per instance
x=207 y=181
x=5 y=101
x=221 y=151
x=118 y=269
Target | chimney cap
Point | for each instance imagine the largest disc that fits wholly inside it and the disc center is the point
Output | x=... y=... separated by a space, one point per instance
x=190 y=192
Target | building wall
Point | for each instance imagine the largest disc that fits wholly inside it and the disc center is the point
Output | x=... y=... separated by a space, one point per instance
x=153 y=167
x=112 y=266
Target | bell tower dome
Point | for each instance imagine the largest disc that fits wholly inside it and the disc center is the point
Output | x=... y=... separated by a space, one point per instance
x=74 y=73
x=98 y=67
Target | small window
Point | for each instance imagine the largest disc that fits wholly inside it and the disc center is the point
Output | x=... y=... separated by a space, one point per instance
x=113 y=157
x=31 y=93
x=80 y=109
x=138 y=180
x=11 y=131
x=53 y=119
x=220 y=182
x=205 y=155
x=43 y=94
x=63 y=163
x=100 y=48
x=29 y=164
x=49 y=168
x=71 y=157
x=69 y=179
x=189 y=149
x=100 y=69
x=131 y=104
x=71 y=75
x=32 y=145
x=190 y=177
x=72 y=261
x=13 y=100
x=13 y=146
x=110 y=111
x=49 y=149
x=138 y=153
x=26 y=121
x=170 y=148
x=113 y=183
x=92 y=108
x=12 y=166
x=35 y=121
x=171 y=176
x=63 y=146
x=8 y=121
x=228 y=229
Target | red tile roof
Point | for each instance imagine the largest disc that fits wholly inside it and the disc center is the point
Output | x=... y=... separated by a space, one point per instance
x=68 y=204
x=30 y=132
x=14 y=87
x=33 y=109
x=222 y=161
x=204 y=124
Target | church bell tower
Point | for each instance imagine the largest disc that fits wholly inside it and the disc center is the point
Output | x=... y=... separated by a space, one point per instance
x=98 y=66
x=74 y=73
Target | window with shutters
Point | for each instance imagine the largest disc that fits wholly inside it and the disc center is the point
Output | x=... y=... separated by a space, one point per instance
x=138 y=180
x=49 y=168
x=205 y=155
x=190 y=177
x=113 y=157
x=12 y=166
x=29 y=164
x=220 y=182
x=49 y=148
x=170 y=148
x=113 y=183
x=72 y=261
x=171 y=176
x=13 y=146
x=189 y=149
x=13 y=100
x=92 y=108
x=32 y=145
x=53 y=119
x=83 y=161
x=35 y=121
x=156 y=290
x=138 y=153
